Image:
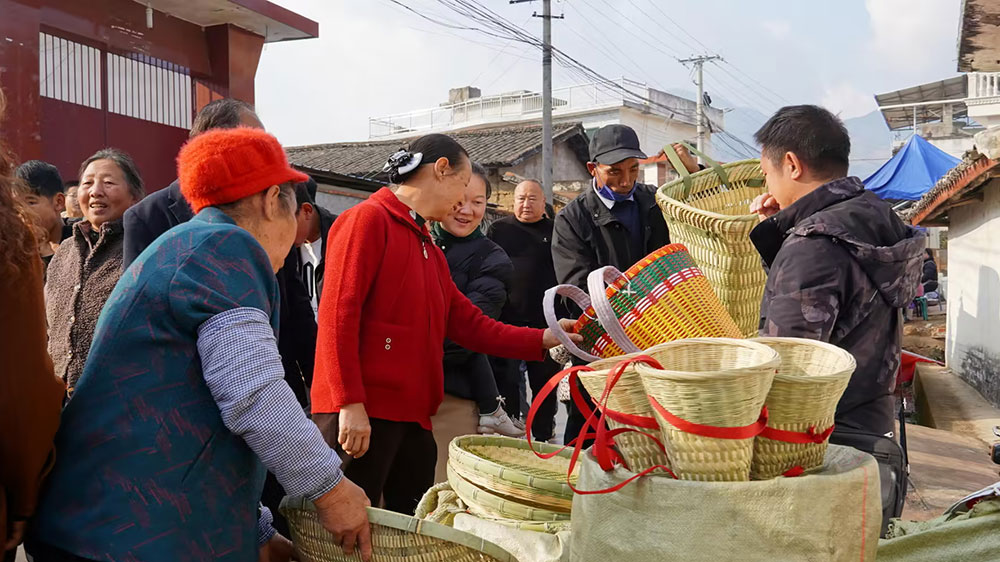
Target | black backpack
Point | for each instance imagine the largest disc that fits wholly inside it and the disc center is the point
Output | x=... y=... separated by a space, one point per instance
x=892 y=467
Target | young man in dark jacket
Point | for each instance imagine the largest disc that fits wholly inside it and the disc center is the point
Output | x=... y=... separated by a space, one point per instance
x=614 y=222
x=841 y=264
x=307 y=255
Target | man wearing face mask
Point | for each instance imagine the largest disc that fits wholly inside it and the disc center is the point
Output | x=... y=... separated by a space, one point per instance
x=614 y=222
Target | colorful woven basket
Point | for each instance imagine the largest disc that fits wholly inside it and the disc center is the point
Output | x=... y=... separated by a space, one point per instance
x=661 y=298
x=709 y=399
x=628 y=397
x=507 y=467
x=801 y=406
x=708 y=212
x=395 y=538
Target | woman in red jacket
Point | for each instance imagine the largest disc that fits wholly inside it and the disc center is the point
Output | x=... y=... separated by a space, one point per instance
x=383 y=320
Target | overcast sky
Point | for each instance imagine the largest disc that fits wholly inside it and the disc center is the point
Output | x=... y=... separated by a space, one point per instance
x=373 y=57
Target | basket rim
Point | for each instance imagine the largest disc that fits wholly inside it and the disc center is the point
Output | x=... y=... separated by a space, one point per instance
x=497 y=504
x=458 y=454
x=851 y=364
x=416 y=526
x=740 y=372
x=662 y=192
x=481 y=479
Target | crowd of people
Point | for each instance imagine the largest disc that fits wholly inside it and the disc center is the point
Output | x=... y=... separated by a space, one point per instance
x=226 y=341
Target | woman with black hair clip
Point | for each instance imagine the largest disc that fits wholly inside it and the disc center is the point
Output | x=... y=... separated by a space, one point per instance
x=383 y=322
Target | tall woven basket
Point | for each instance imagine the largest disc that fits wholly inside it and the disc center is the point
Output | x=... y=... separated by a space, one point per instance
x=708 y=399
x=627 y=397
x=801 y=405
x=663 y=297
x=708 y=212
x=395 y=538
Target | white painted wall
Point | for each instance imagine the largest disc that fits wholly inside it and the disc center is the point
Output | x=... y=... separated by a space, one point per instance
x=973 y=339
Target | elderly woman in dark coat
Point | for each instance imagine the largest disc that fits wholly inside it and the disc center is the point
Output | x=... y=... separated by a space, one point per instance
x=88 y=264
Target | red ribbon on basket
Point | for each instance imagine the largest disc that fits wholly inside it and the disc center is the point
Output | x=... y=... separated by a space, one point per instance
x=744 y=432
x=799 y=437
x=603 y=448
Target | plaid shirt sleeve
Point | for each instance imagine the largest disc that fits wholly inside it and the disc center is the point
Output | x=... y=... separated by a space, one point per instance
x=265 y=526
x=241 y=365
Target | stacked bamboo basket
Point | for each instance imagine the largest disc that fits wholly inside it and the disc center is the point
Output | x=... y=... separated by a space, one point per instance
x=501 y=479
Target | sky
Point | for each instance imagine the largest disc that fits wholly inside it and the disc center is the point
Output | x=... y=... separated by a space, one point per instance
x=375 y=57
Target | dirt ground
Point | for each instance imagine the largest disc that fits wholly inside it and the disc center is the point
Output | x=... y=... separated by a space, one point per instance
x=926 y=337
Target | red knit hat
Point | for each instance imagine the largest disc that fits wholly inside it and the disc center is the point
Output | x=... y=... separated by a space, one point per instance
x=225 y=165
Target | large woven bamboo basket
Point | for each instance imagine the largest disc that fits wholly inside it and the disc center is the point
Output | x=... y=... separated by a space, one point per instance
x=708 y=212
x=395 y=538
x=485 y=502
x=663 y=297
x=508 y=468
x=803 y=399
x=718 y=383
x=628 y=397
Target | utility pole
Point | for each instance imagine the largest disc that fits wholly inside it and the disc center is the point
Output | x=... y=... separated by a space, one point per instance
x=547 y=18
x=699 y=63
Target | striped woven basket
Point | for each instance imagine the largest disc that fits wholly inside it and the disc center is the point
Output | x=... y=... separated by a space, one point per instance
x=506 y=466
x=708 y=212
x=801 y=405
x=661 y=298
x=709 y=399
x=395 y=538
x=627 y=397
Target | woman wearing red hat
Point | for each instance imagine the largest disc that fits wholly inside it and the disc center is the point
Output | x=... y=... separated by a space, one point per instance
x=183 y=402
x=383 y=321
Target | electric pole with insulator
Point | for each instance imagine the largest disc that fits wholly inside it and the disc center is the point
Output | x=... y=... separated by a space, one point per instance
x=699 y=63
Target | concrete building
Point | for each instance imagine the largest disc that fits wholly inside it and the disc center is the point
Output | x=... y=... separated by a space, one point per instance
x=659 y=120
x=347 y=172
x=946 y=113
x=83 y=75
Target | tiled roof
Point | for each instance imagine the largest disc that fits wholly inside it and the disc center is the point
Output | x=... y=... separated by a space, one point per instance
x=969 y=174
x=492 y=147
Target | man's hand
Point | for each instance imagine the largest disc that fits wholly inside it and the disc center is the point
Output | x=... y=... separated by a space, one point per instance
x=278 y=549
x=15 y=533
x=764 y=206
x=342 y=512
x=549 y=339
x=354 y=430
x=687 y=159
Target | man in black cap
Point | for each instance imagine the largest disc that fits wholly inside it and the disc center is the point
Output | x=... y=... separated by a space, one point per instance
x=614 y=222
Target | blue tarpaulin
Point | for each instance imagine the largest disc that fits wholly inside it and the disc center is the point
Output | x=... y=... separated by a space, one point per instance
x=912 y=172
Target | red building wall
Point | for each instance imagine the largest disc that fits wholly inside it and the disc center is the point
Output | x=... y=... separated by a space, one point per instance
x=221 y=61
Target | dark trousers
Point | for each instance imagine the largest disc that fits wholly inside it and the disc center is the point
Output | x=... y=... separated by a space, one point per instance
x=539 y=373
x=398 y=467
x=576 y=418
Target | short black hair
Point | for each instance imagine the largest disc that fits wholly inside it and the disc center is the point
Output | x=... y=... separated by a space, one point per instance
x=226 y=113
x=818 y=137
x=125 y=164
x=432 y=147
x=479 y=170
x=305 y=192
x=43 y=178
x=70 y=183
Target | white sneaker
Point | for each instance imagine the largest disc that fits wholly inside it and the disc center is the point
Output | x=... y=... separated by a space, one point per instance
x=499 y=422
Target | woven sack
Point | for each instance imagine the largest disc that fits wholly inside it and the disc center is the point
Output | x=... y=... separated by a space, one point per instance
x=395 y=538
x=708 y=212
x=661 y=298
x=801 y=406
x=709 y=401
x=831 y=515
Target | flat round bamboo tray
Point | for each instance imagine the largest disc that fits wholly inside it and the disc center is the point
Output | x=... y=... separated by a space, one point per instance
x=628 y=397
x=720 y=383
x=440 y=504
x=485 y=502
x=810 y=381
x=711 y=218
x=395 y=538
x=507 y=466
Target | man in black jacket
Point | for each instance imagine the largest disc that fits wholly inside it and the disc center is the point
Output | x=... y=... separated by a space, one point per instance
x=310 y=241
x=614 y=222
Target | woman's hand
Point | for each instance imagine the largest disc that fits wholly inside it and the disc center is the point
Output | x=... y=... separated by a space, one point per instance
x=549 y=339
x=342 y=512
x=765 y=206
x=355 y=431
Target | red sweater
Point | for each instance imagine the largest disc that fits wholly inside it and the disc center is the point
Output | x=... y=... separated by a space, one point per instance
x=385 y=313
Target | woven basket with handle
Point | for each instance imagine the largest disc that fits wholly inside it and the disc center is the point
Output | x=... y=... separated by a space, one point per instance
x=395 y=538
x=708 y=212
x=708 y=400
x=661 y=298
x=801 y=405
